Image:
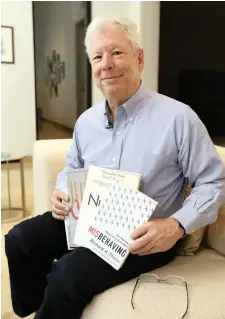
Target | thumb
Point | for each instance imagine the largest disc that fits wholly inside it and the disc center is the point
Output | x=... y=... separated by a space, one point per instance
x=139 y=231
x=64 y=197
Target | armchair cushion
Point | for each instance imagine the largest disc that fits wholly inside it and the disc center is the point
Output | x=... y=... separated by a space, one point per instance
x=48 y=161
x=215 y=234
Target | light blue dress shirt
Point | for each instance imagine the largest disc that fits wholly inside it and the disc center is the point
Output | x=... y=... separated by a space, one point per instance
x=164 y=141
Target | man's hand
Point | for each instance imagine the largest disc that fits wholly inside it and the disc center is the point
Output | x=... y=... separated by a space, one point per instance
x=59 y=210
x=155 y=236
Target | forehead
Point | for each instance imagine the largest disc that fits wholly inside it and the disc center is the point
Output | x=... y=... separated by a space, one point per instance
x=108 y=38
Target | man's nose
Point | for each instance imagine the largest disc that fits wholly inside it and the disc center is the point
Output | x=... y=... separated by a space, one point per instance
x=107 y=62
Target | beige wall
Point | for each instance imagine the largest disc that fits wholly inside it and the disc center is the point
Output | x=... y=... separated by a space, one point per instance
x=18 y=124
x=149 y=29
x=146 y=15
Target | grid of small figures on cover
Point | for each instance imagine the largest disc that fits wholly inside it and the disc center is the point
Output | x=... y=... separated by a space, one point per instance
x=124 y=208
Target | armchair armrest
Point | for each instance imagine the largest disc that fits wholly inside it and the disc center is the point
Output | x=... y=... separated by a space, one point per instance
x=48 y=161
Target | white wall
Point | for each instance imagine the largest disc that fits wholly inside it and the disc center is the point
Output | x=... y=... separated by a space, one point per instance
x=146 y=14
x=149 y=29
x=18 y=119
x=55 y=29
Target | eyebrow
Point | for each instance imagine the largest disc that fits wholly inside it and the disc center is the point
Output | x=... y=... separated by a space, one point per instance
x=97 y=52
x=112 y=48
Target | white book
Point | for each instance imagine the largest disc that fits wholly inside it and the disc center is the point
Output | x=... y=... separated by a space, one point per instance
x=119 y=214
x=99 y=181
x=76 y=180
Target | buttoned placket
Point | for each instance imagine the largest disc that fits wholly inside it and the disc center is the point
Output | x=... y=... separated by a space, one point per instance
x=118 y=135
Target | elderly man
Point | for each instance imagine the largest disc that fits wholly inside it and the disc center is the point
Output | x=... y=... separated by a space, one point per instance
x=133 y=129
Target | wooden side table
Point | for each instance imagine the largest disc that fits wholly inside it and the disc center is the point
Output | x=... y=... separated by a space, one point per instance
x=6 y=157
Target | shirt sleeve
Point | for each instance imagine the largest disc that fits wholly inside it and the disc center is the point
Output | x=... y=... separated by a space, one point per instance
x=73 y=161
x=204 y=170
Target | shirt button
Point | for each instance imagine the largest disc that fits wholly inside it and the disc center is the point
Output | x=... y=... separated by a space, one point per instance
x=131 y=119
x=118 y=133
x=114 y=159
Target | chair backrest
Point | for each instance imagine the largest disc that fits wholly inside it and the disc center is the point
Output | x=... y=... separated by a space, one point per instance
x=48 y=161
x=215 y=233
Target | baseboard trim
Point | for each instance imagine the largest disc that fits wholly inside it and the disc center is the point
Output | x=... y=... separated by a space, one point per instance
x=57 y=125
x=26 y=159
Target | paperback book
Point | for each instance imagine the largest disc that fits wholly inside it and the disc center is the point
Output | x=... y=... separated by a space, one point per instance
x=97 y=187
x=120 y=212
x=76 y=180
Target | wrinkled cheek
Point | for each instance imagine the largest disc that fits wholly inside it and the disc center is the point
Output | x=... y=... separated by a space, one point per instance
x=97 y=81
x=96 y=74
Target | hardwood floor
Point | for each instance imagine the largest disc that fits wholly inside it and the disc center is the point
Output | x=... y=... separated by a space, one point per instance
x=49 y=130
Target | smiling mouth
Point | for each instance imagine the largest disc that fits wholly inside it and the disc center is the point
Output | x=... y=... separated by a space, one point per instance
x=112 y=77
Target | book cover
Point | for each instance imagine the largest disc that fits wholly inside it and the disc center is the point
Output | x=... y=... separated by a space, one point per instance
x=66 y=221
x=76 y=180
x=118 y=215
x=97 y=187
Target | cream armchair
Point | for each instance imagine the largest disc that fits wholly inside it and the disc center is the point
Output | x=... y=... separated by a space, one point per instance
x=48 y=161
x=204 y=272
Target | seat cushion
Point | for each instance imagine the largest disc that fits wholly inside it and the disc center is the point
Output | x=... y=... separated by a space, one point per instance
x=204 y=273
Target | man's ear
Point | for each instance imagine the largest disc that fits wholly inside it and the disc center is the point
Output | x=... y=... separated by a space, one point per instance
x=140 y=55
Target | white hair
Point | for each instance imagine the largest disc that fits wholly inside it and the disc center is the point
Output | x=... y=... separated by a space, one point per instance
x=128 y=25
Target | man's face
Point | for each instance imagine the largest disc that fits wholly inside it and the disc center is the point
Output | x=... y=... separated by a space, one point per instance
x=115 y=66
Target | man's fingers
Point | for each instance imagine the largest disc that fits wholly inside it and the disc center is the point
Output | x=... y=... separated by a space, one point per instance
x=140 y=231
x=145 y=249
x=152 y=248
x=139 y=243
x=59 y=211
x=60 y=195
x=64 y=196
x=59 y=217
x=62 y=207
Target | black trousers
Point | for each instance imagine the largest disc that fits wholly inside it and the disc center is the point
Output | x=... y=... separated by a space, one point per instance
x=62 y=291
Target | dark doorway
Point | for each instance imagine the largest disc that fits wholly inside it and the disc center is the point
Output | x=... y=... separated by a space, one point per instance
x=81 y=73
x=62 y=70
x=192 y=59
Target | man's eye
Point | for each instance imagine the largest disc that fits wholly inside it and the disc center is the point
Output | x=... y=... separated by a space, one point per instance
x=117 y=52
x=97 y=57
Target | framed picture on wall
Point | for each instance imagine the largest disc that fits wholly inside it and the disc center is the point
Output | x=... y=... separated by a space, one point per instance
x=7 y=44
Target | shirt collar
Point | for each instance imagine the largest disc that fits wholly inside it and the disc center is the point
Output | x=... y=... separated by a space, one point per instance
x=131 y=106
x=108 y=113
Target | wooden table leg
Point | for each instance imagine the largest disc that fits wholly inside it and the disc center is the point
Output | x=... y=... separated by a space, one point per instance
x=22 y=186
x=8 y=185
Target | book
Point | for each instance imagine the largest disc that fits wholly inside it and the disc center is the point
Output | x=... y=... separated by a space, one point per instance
x=97 y=187
x=118 y=215
x=76 y=180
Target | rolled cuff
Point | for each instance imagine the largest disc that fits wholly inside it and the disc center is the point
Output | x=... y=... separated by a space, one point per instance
x=189 y=219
